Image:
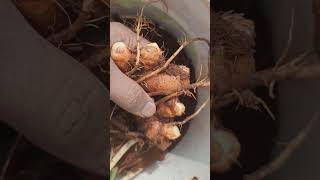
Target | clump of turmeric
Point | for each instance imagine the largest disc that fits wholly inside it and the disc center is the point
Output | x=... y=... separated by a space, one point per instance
x=175 y=78
x=167 y=83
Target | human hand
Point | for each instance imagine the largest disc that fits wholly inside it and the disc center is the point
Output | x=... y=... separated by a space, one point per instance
x=124 y=91
x=51 y=99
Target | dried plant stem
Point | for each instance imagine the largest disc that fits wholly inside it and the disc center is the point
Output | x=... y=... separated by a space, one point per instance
x=183 y=45
x=131 y=175
x=113 y=173
x=277 y=163
x=121 y=152
x=187 y=119
x=130 y=164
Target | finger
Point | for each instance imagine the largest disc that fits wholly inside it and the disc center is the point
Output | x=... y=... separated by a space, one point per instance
x=120 y=32
x=128 y=94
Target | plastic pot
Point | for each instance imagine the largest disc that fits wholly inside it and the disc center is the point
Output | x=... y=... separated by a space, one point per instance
x=297 y=100
x=183 y=19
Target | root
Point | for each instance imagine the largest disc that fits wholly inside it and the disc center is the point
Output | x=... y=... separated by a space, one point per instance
x=113 y=111
x=96 y=19
x=277 y=163
x=265 y=106
x=284 y=54
x=225 y=100
x=271 y=89
x=189 y=118
x=138 y=31
x=170 y=96
x=248 y=99
x=64 y=11
x=290 y=71
x=125 y=130
x=286 y=50
x=69 y=33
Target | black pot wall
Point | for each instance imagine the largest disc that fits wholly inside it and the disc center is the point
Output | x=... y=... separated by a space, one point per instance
x=296 y=101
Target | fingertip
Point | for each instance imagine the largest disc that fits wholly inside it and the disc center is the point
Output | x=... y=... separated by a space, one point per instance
x=128 y=94
x=148 y=109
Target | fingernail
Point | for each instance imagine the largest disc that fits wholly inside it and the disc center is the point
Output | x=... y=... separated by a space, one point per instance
x=148 y=109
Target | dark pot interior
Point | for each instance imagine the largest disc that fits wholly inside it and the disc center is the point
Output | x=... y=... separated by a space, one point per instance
x=255 y=130
x=263 y=139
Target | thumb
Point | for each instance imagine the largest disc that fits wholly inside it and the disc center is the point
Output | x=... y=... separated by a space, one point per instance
x=128 y=94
